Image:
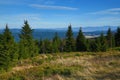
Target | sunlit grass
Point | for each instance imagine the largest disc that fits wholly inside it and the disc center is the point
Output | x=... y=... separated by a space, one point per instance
x=67 y=66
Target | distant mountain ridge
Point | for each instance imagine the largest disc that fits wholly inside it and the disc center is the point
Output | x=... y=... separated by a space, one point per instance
x=91 y=29
x=49 y=33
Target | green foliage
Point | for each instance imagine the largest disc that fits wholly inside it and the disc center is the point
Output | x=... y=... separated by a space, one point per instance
x=98 y=44
x=17 y=78
x=8 y=50
x=74 y=66
x=117 y=37
x=66 y=72
x=45 y=46
x=62 y=45
x=77 y=54
x=103 y=43
x=27 y=46
x=110 y=38
x=48 y=71
x=81 y=41
x=56 y=44
x=94 y=46
x=116 y=48
x=70 y=43
x=26 y=32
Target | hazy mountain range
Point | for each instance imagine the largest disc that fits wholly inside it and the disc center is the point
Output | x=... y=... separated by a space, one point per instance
x=49 y=33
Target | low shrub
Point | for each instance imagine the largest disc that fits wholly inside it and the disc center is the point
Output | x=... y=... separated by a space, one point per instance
x=17 y=78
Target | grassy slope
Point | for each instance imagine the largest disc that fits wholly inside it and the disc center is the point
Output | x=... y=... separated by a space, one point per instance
x=68 y=66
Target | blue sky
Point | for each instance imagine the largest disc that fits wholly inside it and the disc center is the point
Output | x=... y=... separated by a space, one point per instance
x=59 y=13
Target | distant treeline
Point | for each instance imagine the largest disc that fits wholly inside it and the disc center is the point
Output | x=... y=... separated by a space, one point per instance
x=28 y=47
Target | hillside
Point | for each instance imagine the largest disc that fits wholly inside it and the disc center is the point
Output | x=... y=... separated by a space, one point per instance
x=67 y=66
x=43 y=33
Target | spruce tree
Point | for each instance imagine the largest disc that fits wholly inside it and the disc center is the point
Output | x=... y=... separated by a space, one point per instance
x=103 y=43
x=92 y=46
x=70 y=43
x=56 y=43
x=110 y=38
x=117 y=37
x=62 y=45
x=4 y=57
x=95 y=45
x=45 y=46
x=27 y=46
x=81 y=41
x=8 y=49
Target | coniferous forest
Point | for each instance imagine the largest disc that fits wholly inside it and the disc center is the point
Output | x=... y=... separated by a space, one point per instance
x=27 y=47
x=11 y=51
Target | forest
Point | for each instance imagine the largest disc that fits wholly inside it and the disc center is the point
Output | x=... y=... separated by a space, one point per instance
x=11 y=51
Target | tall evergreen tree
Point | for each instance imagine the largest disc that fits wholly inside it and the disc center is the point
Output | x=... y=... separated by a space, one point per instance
x=8 y=49
x=117 y=37
x=70 y=43
x=27 y=46
x=110 y=39
x=81 y=41
x=26 y=32
x=56 y=43
x=4 y=57
x=103 y=42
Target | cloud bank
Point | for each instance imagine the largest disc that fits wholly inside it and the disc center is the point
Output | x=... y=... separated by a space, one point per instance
x=113 y=11
x=52 y=7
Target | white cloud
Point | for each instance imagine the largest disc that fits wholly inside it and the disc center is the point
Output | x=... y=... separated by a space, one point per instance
x=113 y=11
x=53 y=7
x=104 y=21
x=16 y=21
x=35 y=21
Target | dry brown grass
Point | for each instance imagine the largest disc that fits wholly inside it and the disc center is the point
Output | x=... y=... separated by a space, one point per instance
x=80 y=66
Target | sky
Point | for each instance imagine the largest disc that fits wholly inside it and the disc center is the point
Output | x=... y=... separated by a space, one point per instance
x=59 y=13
